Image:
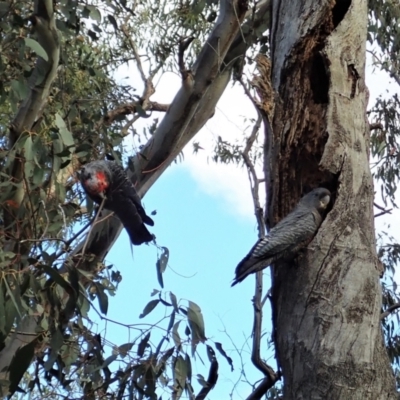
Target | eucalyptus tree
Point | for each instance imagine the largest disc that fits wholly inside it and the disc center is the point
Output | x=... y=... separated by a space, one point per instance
x=61 y=106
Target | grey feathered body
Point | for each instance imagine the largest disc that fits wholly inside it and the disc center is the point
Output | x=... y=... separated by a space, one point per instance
x=291 y=234
x=120 y=197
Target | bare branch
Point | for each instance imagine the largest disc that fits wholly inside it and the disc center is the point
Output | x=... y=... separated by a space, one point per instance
x=270 y=376
x=389 y=310
x=376 y=125
x=384 y=210
x=261 y=389
x=383 y=213
x=211 y=381
x=128 y=109
x=183 y=45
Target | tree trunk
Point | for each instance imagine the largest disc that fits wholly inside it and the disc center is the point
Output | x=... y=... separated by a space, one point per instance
x=327 y=302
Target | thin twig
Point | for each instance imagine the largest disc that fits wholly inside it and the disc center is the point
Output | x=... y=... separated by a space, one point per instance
x=383 y=213
x=383 y=209
x=183 y=45
x=376 y=125
x=92 y=227
x=211 y=381
x=270 y=376
x=390 y=309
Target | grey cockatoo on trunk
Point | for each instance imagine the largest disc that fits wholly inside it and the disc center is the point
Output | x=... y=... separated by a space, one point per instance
x=285 y=239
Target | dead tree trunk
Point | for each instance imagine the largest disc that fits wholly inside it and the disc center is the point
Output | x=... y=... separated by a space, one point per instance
x=327 y=302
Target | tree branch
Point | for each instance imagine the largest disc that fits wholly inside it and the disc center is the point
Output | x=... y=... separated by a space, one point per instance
x=270 y=376
x=211 y=381
x=376 y=125
x=389 y=310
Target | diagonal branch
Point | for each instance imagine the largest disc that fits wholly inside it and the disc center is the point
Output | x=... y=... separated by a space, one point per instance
x=389 y=310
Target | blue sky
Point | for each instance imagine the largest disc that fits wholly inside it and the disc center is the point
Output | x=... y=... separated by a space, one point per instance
x=206 y=241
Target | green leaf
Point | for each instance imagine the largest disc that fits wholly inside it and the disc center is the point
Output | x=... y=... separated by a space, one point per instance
x=180 y=374
x=11 y=314
x=113 y=21
x=38 y=175
x=163 y=259
x=171 y=322
x=83 y=305
x=94 y=13
x=102 y=298
x=109 y=360
x=188 y=367
x=57 y=340
x=223 y=353
x=69 y=353
x=175 y=335
x=20 y=364
x=174 y=301
x=13 y=299
x=142 y=345
x=65 y=134
x=161 y=265
x=20 y=89
x=37 y=48
x=124 y=348
x=198 y=6
x=150 y=306
x=57 y=278
x=4 y=7
x=196 y=323
x=163 y=361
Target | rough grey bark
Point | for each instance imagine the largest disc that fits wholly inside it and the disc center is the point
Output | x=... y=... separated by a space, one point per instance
x=327 y=303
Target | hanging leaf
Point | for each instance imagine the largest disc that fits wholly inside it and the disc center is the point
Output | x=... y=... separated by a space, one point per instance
x=150 y=306
x=162 y=263
x=109 y=360
x=163 y=361
x=37 y=48
x=223 y=353
x=113 y=21
x=174 y=301
x=102 y=297
x=56 y=277
x=142 y=345
x=57 y=340
x=175 y=335
x=196 y=323
x=180 y=374
x=65 y=134
x=20 y=364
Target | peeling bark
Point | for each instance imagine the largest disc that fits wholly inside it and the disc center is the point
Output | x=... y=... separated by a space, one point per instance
x=326 y=304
